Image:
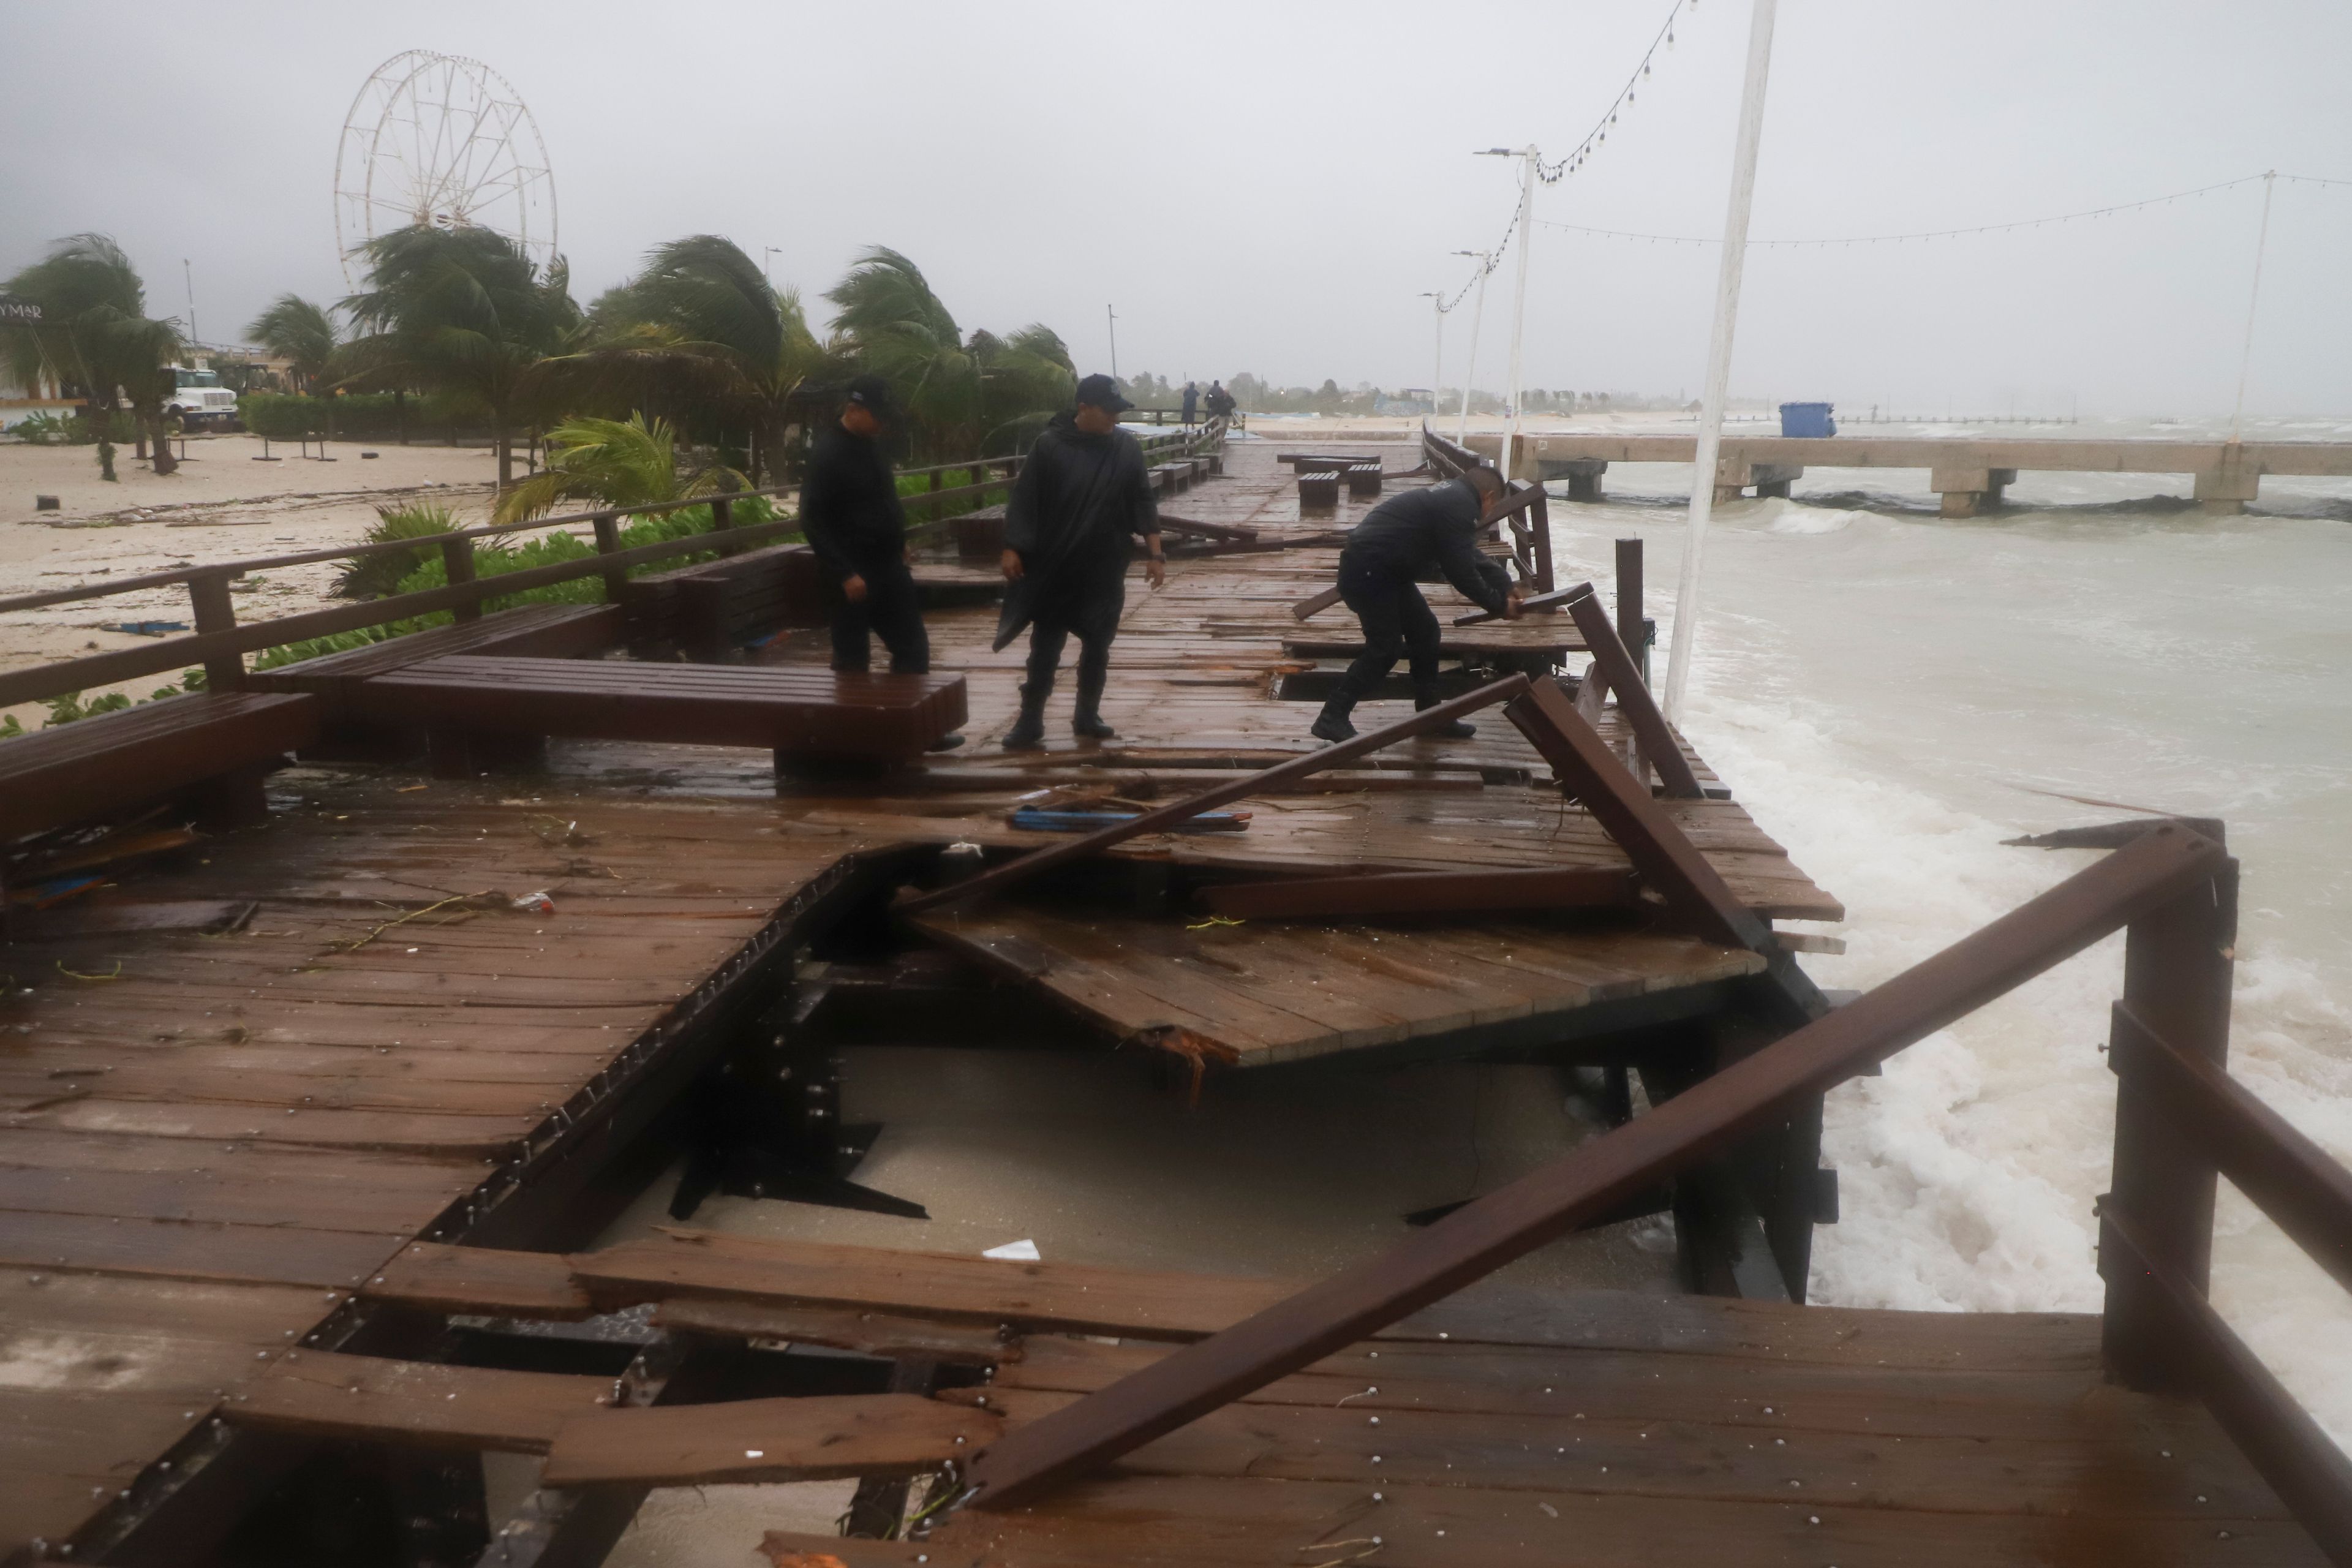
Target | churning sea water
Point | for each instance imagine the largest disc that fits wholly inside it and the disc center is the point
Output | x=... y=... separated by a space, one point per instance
x=1892 y=694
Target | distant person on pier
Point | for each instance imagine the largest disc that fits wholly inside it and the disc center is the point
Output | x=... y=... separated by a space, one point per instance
x=1083 y=496
x=851 y=512
x=1399 y=539
x=1192 y=401
x=1221 y=402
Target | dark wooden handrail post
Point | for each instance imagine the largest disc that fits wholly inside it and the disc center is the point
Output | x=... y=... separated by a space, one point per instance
x=1630 y=629
x=216 y=612
x=722 y=520
x=458 y=555
x=2177 y=961
x=1540 y=519
x=608 y=543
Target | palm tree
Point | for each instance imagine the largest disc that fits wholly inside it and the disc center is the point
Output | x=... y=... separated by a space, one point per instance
x=295 y=330
x=900 y=330
x=458 y=309
x=1023 y=380
x=95 y=331
x=700 y=327
x=616 y=463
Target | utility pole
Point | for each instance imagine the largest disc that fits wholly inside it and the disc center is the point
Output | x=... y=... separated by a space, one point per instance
x=1477 y=317
x=188 y=275
x=765 y=253
x=1528 y=156
x=2253 y=297
x=1437 y=366
x=1112 y=317
x=1718 y=350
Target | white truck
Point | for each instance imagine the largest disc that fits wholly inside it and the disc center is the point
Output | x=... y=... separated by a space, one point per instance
x=201 y=401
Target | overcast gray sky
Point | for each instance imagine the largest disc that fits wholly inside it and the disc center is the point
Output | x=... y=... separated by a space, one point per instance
x=1270 y=187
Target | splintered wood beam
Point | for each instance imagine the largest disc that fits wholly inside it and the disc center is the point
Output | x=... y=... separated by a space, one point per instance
x=751 y=1440
x=325 y=1393
x=1658 y=744
x=1308 y=609
x=1660 y=850
x=1205 y=529
x=1533 y=606
x=432 y=1276
x=1301 y=766
x=884 y=1334
x=1425 y=892
x=1594 y=1179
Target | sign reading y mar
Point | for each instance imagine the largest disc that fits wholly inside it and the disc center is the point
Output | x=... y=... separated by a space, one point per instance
x=14 y=311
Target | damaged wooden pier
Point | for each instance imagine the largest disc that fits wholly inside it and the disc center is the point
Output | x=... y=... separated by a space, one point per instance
x=312 y=1118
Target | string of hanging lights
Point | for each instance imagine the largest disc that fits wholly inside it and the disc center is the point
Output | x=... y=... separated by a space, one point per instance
x=1924 y=235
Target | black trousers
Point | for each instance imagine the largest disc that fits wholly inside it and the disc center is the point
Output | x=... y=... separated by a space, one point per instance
x=1397 y=622
x=890 y=611
x=1087 y=607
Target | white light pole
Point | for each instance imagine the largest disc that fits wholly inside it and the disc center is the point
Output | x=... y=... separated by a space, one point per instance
x=767 y=253
x=1477 y=317
x=1525 y=223
x=1111 y=316
x=1437 y=366
x=1718 y=350
x=2253 y=298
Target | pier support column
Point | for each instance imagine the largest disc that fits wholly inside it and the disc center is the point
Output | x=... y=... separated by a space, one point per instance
x=2224 y=492
x=1583 y=474
x=1735 y=475
x=1967 y=491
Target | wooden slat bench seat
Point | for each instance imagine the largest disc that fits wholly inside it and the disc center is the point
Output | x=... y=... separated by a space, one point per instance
x=708 y=608
x=1363 y=479
x=980 y=535
x=526 y=631
x=220 y=741
x=799 y=713
x=1318 y=490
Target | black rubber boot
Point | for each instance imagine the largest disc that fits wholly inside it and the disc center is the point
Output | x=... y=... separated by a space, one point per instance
x=1086 y=721
x=1331 y=724
x=1460 y=730
x=1028 y=731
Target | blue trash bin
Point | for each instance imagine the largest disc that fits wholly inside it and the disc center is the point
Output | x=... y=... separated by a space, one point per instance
x=1807 y=419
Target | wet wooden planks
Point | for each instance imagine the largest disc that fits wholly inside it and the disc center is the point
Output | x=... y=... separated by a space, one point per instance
x=1269 y=993
x=207 y=1142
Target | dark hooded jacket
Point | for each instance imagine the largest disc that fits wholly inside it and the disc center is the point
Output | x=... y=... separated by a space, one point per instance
x=1438 y=526
x=849 y=505
x=1073 y=517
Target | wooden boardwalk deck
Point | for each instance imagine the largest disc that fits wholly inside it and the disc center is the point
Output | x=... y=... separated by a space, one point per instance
x=209 y=1141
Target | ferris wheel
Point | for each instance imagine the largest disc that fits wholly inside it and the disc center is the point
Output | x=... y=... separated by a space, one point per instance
x=441 y=140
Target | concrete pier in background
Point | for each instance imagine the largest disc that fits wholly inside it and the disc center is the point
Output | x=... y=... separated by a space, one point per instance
x=1969 y=472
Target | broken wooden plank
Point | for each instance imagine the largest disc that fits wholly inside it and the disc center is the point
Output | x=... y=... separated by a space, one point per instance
x=1537 y=605
x=789 y=1549
x=1308 y=608
x=890 y=1335
x=1424 y=892
x=1031 y=864
x=1658 y=744
x=481 y=1280
x=1553 y=1200
x=374 y=1399
x=1064 y=1298
x=754 y=1440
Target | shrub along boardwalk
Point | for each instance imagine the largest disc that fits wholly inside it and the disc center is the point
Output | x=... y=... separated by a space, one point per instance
x=231 y=1090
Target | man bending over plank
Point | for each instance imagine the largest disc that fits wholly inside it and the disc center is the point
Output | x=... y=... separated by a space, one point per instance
x=1398 y=540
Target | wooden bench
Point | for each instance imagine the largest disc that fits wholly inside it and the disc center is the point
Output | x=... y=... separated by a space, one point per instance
x=980 y=535
x=1318 y=490
x=473 y=708
x=214 y=746
x=710 y=608
x=532 y=631
x=1363 y=479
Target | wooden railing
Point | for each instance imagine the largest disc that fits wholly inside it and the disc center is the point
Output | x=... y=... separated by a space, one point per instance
x=219 y=643
x=1527 y=532
x=2179 y=1119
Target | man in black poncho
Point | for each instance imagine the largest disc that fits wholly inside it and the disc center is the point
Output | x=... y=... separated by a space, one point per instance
x=1400 y=539
x=1082 y=495
x=851 y=512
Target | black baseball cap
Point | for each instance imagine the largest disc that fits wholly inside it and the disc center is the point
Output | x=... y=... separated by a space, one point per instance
x=872 y=393
x=1102 y=391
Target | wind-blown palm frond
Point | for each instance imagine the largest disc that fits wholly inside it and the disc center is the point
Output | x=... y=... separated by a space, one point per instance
x=611 y=462
x=296 y=331
x=95 y=331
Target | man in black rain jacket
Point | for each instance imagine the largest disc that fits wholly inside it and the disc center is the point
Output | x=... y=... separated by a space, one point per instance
x=1084 y=493
x=854 y=519
x=1399 y=539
